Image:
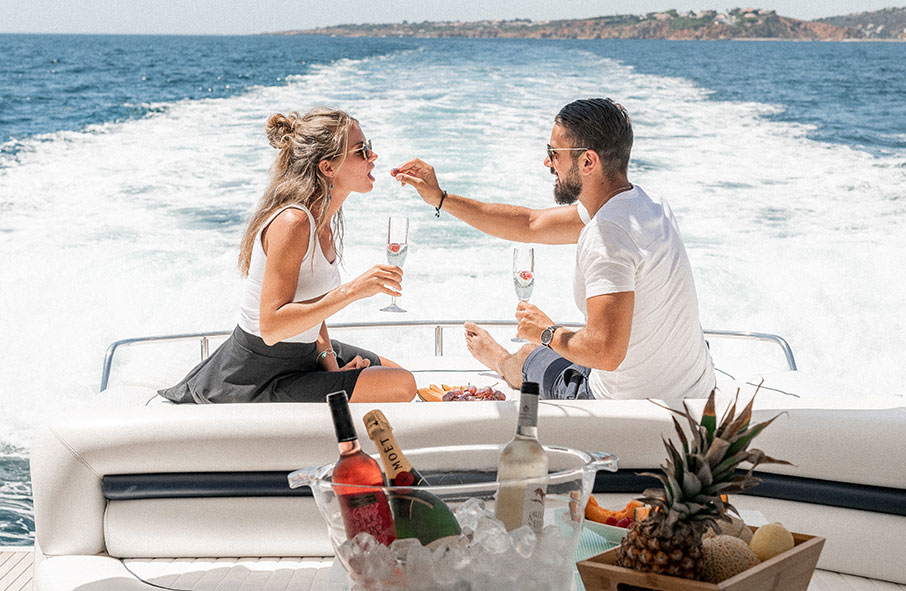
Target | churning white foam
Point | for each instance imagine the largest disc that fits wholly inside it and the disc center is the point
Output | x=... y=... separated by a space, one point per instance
x=131 y=228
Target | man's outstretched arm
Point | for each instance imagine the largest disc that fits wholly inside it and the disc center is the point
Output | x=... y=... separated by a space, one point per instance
x=556 y=225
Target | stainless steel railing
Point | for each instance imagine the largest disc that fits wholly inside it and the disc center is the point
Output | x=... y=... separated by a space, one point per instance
x=204 y=338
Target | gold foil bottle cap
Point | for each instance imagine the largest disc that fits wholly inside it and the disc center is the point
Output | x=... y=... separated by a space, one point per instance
x=376 y=422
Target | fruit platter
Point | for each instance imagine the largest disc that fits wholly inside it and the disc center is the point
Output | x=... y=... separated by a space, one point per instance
x=690 y=540
x=466 y=393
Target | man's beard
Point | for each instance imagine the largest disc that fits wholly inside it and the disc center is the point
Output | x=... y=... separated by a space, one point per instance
x=567 y=190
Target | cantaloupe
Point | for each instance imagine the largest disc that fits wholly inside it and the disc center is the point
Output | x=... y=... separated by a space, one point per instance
x=725 y=556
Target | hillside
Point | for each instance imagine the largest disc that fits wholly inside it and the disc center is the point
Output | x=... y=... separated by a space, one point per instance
x=889 y=23
x=747 y=23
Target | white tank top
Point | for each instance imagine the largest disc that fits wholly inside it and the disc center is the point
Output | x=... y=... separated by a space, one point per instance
x=317 y=276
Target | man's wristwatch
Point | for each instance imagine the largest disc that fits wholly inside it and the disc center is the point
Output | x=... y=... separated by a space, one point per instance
x=548 y=335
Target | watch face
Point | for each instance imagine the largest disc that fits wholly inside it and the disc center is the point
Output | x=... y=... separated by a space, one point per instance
x=546 y=336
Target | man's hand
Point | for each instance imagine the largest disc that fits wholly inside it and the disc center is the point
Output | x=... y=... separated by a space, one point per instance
x=420 y=175
x=532 y=322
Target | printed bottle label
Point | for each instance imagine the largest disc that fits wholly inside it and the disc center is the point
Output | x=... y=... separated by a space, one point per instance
x=528 y=411
x=368 y=512
x=533 y=506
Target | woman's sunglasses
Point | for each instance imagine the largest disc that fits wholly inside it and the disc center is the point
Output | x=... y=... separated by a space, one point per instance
x=365 y=150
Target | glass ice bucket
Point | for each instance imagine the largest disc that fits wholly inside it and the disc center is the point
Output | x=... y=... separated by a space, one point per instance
x=484 y=557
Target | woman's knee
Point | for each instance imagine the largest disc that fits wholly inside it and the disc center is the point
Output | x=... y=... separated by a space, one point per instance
x=386 y=384
x=404 y=381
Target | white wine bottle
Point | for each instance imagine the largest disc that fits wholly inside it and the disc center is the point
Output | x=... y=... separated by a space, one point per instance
x=417 y=513
x=522 y=469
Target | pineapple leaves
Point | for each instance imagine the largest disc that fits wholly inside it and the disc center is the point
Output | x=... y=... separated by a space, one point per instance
x=703 y=465
x=716 y=451
x=709 y=418
x=682 y=435
x=691 y=485
x=704 y=475
x=747 y=436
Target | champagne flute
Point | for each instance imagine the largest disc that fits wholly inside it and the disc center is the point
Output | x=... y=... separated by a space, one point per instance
x=397 y=247
x=523 y=276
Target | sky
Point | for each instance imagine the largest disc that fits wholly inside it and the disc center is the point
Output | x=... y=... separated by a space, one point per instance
x=241 y=17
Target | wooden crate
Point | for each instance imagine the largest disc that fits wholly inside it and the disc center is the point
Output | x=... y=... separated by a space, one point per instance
x=789 y=571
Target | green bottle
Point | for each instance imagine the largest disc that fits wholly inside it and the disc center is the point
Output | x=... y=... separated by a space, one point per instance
x=417 y=513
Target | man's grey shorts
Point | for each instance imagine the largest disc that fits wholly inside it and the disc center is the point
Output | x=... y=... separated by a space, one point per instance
x=559 y=378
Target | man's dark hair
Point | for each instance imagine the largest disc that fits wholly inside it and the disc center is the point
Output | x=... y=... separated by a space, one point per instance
x=600 y=125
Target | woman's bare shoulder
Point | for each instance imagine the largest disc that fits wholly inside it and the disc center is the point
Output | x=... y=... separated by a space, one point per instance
x=290 y=229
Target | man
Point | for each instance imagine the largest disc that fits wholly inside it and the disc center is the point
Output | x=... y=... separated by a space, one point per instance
x=633 y=280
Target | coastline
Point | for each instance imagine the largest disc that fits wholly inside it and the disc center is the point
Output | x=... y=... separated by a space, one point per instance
x=751 y=24
x=533 y=38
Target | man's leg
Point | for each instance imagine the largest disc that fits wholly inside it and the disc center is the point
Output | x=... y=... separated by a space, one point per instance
x=491 y=354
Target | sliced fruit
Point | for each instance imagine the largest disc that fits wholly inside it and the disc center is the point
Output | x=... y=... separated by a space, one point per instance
x=430 y=395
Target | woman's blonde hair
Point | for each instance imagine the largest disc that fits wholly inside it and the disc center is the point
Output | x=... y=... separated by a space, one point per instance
x=304 y=141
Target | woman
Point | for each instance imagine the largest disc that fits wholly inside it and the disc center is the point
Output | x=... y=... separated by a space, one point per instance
x=281 y=350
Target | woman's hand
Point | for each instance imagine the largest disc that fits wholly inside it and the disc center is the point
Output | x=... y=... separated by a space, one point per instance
x=356 y=363
x=378 y=279
x=420 y=175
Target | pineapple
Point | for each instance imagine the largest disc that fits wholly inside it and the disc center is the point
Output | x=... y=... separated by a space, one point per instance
x=695 y=480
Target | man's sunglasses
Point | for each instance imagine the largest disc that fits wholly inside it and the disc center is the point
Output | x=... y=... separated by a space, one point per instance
x=365 y=150
x=552 y=150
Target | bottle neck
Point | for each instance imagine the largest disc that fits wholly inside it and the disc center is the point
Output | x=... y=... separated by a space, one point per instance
x=348 y=448
x=391 y=455
x=527 y=423
x=527 y=431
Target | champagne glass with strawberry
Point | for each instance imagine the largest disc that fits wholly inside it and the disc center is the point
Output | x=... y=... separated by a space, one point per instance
x=397 y=248
x=523 y=276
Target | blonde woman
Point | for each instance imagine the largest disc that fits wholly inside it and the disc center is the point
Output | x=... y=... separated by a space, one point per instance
x=290 y=253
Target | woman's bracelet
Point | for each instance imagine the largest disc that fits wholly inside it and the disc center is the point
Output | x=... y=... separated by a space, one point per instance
x=325 y=353
x=443 y=195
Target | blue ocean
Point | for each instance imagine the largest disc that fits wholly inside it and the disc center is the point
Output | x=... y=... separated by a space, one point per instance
x=128 y=166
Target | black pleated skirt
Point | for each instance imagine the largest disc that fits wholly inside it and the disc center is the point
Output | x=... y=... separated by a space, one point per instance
x=245 y=369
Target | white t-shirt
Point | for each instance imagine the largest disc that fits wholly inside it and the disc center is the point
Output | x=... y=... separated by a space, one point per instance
x=633 y=244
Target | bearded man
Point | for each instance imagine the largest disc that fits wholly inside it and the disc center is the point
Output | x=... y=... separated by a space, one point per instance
x=633 y=281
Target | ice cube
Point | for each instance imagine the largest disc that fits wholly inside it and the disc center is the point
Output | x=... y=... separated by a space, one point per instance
x=419 y=565
x=523 y=540
x=400 y=547
x=468 y=512
x=364 y=542
x=491 y=535
x=378 y=564
x=552 y=548
x=352 y=552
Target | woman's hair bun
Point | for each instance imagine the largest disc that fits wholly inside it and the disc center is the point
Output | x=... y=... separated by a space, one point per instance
x=280 y=129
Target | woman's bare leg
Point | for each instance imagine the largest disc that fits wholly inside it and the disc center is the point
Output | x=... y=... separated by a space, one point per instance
x=388 y=363
x=384 y=384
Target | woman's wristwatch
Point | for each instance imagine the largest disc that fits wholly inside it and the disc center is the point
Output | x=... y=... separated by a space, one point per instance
x=548 y=335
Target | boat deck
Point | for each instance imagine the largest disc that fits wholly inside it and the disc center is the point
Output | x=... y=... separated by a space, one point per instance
x=16 y=566
x=16 y=569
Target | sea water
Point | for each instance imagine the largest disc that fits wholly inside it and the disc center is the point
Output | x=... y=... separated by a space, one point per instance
x=128 y=166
